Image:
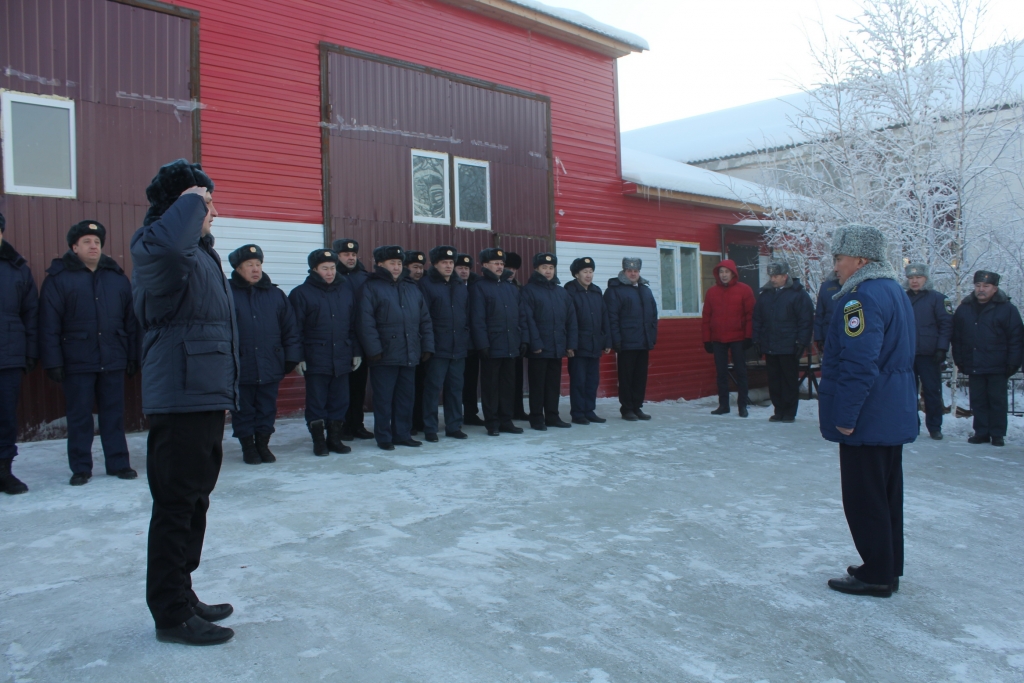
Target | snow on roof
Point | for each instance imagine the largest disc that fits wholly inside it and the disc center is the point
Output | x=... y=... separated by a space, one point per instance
x=585 y=21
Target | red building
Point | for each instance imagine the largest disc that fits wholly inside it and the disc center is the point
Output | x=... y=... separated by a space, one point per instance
x=418 y=122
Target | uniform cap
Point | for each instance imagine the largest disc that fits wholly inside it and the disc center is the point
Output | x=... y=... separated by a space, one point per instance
x=245 y=253
x=388 y=252
x=581 y=263
x=464 y=260
x=915 y=269
x=443 y=252
x=778 y=268
x=544 y=259
x=83 y=228
x=345 y=244
x=633 y=263
x=513 y=260
x=414 y=257
x=319 y=256
x=986 y=277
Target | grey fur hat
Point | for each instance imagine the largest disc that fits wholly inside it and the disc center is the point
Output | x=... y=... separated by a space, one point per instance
x=778 y=268
x=631 y=263
x=861 y=241
x=916 y=269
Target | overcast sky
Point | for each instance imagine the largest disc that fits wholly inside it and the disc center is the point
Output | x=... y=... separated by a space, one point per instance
x=714 y=54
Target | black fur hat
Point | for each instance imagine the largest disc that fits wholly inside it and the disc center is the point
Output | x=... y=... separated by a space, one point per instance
x=388 y=252
x=492 y=254
x=986 y=277
x=245 y=253
x=318 y=256
x=412 y=257
x=444 y=252
x=544 y=259
x=170 y=181
x=346 y=244
x=464 y=260
x=581 y=263
x=513 y=260
x=3 y=223
x=83 y=228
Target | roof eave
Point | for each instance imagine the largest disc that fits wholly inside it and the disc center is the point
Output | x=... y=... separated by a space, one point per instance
x=646 y=192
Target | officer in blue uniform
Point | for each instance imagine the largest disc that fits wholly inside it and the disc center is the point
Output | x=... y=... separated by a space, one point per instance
x=513 y=264
x=471 y=380
x=19 y=350
x=594 y=340
x=353 y=270
x=268 y=349
x=823 y=310
x=89 y=341
x=933 y=315
x=868 y=405
x=415 y=263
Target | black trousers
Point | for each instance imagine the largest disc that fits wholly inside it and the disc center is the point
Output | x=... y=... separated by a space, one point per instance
x=783 y=383
x=739 y=362
x=106 y=390
x=632 y=366
x=394 y=390
x=471 y=380
x=497 y=388
x=873 y=502
x=927 y=371
x=584 y=378
x=545 y=388
x=257 y=410
x=182 y=462
x=356 y=398
x=517 y=400
x=327 y=397
x=988 y=404
x=10 y=387
x=417 y=406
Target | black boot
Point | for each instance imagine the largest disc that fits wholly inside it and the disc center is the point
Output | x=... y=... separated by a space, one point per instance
x=263 y=446
x=9 y=483
x=195 y=631
x=334 y=428
x=250 y=456
x=316 y=429
x=720 y=410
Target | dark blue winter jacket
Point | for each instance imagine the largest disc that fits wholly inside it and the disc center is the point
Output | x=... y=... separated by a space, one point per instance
x=268 y=335
x=19 y=308
x=867 y=372
x=783 y=318
x=934 y=319
x=394 y=322
x=632 y=314
x=824 y=309
x=448 y=303
x=356 y=276
x=496 y=319
x=591 y=319
x=550 y=318
x=327 y=316
x=989 y=339
x=86 y=321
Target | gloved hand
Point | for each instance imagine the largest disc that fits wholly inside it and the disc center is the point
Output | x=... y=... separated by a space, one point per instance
x=524 y=348
x=30 y=365
x=356 y=362
x=940 y=356
x=709 y=347
x=425 y=356
x=607 y=351
x=747 y=343
x=301 y=368
x=290 y=365
x=376 y=357
x=131 y=368
x=570 y=352
x=484 y=352
x=56 y=374
x=1011 y=370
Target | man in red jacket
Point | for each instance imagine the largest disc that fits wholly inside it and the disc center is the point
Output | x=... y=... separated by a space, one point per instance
x=727 y=325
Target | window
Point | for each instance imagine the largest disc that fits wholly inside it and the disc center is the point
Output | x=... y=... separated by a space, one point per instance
x=430 y=187
x=472 y=194
x=680 y=279
x=708 y=262
x=38 y=145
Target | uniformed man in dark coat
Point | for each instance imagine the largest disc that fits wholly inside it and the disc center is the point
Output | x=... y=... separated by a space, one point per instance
x=326 y=312
x=89 y=341
x=988 y=344
x=933 y=314
x=447 y=299
x=783 y=321
x=513 y=264
x=823 y=310
x=594 y=339
x=553 y=335
x=633 y=320
x=396 y=335
x=498 y=326
x=471 y=379
x=189 y=380
x=353 y=270
x=19 y=350
x=269 y=347
x=415 y=264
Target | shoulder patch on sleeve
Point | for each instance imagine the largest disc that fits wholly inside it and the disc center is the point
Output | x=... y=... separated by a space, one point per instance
x=853 y=315
x=949 y=306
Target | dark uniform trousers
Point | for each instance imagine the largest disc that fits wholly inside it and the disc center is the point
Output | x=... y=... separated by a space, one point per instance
x=988 y=404
x=872 y=479
x=357 y=398
x=545 y=387
x=783 y=383
x=584 y=378
x=497 y=389
x=632 y=379
x=182 y=462
x=326 y=397
x=394 y=390
x=257 y=411
x=443 y=381
x=739 y=368
x=417 y=405
x=10 y=386
x=927 y=372
x=517 y=400
x=471 y=380
x=106 y=389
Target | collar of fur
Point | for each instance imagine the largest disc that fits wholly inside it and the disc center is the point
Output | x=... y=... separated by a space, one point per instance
x=489 y=275
x=626 y=281
x=575 y=286
x=71 y=262
x=435 y=276
x=345 y=270
x=1000 y=297
x=768 y=286
x=317 y=281
x=874 y=270
x=241 y=283
x=537 y=279
x=927 y=286
x=382 y=273
x=8 y=253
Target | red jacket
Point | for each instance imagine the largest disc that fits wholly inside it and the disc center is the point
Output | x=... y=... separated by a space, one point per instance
x=728 y=309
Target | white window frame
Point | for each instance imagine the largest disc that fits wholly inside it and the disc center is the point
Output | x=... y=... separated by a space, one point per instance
x=459 y=223
x=6 y=133
x=678 y=279
x=447 y=220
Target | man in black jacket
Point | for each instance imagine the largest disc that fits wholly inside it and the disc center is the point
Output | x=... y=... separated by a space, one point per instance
x=933 y=315
x=988 y=344
x=633 y=321
x=783 y=318
x=352 y=268
x=594 y=340
x=415 y=263
x=471 y=378
x=513 y=263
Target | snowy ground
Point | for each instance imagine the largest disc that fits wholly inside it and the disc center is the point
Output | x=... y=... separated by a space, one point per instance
x=689 y=548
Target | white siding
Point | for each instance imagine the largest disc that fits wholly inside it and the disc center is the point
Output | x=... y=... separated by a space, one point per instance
x=608 y=262
x=285 y=246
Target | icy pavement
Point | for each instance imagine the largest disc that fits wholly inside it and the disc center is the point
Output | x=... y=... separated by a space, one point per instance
x=689 y=548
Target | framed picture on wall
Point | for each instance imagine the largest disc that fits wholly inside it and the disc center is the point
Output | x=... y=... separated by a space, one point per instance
x=430 y=187
x=472 y=194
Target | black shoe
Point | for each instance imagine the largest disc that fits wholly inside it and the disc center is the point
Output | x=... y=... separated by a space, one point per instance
x=580 y=421
x=538 y=425
x=854 y=586
x=457 y=434
x=494 y=431
x=9 y=483
x=788 y=419
x=80 y=479
x=411 y=443
x=997 y=441
x=720 y=411
x=263 y=446
x=362 y=432
x=775 y=418
x=195 y=631
x=126 y=473
x=510 y=428
x=250 y=456
x=521 y=416
x=334 y=442
x=936 y=435
x=895 y=581
x=473 y=421
x=743 y=411
x=629 y=416
x=557 y=422
x=641 y=415
x=386 y=446
x=594 y=418
x=212 y=613
x=316 y=429
x=978 y=439
x=432 y=438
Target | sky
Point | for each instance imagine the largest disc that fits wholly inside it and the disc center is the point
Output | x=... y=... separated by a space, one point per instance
x=708 y=55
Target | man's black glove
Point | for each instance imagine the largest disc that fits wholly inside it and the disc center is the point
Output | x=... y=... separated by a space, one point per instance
x=30 y=365
x=484 y=352
x=130 y=368
x=709 y=347
x=425 y=356
x=376 y=357
x=290 y=365
x=940 y=356
x=1011 y=370
x=747 y=343
x=56 y=374
x=524 y=348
